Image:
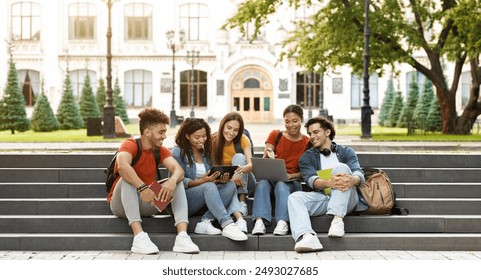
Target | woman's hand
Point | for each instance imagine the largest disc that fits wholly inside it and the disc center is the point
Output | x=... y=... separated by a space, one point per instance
x=210 y=178
x=224 y=178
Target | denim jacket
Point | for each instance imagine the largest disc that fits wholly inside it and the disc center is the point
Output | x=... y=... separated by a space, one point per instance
x=189 y=170
x=310 y=162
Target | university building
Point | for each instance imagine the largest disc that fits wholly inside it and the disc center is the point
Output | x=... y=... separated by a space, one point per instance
x=173 y=54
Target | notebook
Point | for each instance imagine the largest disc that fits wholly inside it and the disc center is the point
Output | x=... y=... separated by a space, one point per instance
x=156 y=186
x=224 y=169
x=325 y=174
x=269 y=169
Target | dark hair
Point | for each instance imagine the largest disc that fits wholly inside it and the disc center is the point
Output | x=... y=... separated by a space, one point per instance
x=296 y=109
x=189 y=126
x=220 y=140
x=324 y=123
x=150 y=117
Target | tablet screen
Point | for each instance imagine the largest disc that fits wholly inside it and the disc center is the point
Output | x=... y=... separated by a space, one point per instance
x=224 y=169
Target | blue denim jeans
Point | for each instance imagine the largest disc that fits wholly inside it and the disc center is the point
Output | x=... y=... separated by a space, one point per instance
x=248 y=178
x=303 y=205
x=217 y=197
x=262 y=200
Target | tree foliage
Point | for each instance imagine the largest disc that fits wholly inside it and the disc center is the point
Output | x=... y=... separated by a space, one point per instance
x=399 y=31
x=407 y=112
x=13 y=116
x=433 y=119
x=395 y=110
x=119 y=103
x=43 y=118
x=387 y=103
x=68 y=113
x=100 y=96
x=423 y=106
x=88 y=104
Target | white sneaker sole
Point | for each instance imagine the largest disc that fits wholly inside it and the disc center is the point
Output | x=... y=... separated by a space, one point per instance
x=153 y=251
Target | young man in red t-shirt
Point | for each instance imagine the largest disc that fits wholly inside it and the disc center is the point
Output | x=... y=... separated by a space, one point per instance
x=130 y=196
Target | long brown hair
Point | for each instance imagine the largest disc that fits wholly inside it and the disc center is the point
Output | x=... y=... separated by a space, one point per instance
x=219 y=141
x=189 y=126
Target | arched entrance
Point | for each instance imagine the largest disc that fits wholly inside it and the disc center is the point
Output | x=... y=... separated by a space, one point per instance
x=251 y=95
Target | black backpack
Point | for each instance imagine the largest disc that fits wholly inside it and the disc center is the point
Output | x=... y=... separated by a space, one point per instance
x=111 y=176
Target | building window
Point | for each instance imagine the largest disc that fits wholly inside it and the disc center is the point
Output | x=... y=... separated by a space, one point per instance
x=77 y=79
x=82 y=21
x=249 y=29
x=26 y=21
x=198 y=88
x=465 y=88
x=357 y=94
x=138 y=88
x=138 y=21
x=194 y=21
x=252 y=83
x=303 y=85
x=29 y=83
x=303 y=12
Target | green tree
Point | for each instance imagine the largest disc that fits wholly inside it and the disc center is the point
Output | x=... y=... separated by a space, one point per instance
x=407 y=112
x=88 y=104
x=13 y=116
x=68 y=113
x=100 y=96
x=43 y=118
x=335 y=33
x=119 y=103
x=433 y=120
x=395 y=111
x=387 y=103
x=424 y=103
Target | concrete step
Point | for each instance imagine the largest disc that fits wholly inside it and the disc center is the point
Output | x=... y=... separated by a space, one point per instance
x=97 y=190
x=98 y=206
x=102 y=159
x=164 y=224
x=96 y=175
x=165 y=242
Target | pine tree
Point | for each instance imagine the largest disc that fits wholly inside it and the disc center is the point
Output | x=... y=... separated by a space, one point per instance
x=100 y=97
x=43 y=118
x=88 y=104
x=120 y=107
x=434 y=120
x=13 y=116
x=407 y=113
x=395 y=111
x=424 y=103
x=68 y=113
x=387 y=103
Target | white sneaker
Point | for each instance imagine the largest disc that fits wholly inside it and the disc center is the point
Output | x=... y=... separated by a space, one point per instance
x=242 y=224
x=337 y=228
x=183 y=244
x=143 y=245
x=206 y=227
x=282 y=228
x=232 y=231
x=244 y=210
x=259 y=228
x=308 y=243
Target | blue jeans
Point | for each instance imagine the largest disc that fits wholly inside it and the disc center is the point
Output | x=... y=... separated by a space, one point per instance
x=248 y=178
x=217 y=197
x=262 y=200
x=303 y=205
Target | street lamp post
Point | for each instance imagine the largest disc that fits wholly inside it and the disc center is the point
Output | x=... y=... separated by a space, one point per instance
x=174 y=46
x=309 y=94
x=193 y=59
x=109 y=109
x=322 y=111
x=366 y=110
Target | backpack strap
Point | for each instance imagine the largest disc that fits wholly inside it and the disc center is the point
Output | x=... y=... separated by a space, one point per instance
x=139 y=152
x=279 y=135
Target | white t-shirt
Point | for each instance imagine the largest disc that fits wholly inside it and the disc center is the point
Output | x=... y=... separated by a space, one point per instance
x=200 y=170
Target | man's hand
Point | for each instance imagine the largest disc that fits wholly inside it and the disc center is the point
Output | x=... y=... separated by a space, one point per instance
x=342 y=182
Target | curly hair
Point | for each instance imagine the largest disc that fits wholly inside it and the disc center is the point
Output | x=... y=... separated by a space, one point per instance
x=324 y=123
x=219 y=141
x=150 y=117
x=188 y=127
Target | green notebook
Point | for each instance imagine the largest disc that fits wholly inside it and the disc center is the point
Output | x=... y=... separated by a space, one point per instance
x=325 y=174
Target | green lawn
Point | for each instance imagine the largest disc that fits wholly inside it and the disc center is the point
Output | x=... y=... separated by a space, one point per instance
x=377 y=133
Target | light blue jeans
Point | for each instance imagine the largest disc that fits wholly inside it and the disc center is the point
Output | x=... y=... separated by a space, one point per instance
x=217 y=197
x=303 y=205
x=126 y=203
x=248 y=178
x=262 y=201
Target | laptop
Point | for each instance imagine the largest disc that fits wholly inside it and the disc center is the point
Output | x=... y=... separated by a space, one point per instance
x=269 y=169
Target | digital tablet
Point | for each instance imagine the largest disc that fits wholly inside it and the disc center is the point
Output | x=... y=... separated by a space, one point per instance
x=224 y=169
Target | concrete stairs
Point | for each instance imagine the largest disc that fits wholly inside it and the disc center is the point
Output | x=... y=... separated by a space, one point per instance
x=56 y=201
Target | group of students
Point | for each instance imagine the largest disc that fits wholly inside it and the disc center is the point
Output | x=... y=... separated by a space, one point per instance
x=220 y=199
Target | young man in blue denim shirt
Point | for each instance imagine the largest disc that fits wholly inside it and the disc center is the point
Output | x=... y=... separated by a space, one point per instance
x=335 y=196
